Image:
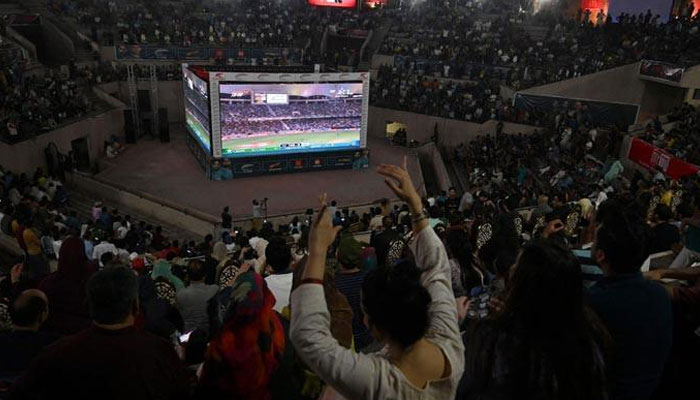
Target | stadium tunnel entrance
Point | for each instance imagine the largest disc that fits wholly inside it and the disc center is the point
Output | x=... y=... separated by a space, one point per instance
x=392 y=127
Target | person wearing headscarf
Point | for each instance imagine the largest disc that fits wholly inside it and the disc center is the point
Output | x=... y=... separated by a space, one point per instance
x=65 y=289
x=248 y=342
x=162 y=270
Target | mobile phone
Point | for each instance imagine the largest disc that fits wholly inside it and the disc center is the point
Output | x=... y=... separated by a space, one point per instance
x=185 y=337
x=479 y=306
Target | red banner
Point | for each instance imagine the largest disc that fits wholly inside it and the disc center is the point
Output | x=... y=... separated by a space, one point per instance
x=334 y=3
x=649 y=157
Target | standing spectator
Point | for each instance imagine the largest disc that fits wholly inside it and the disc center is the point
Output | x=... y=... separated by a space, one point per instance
x=278 y=256
x=249 y=344
x=544 y=343
x=226 y=219
x=192 y=300
x=382 y=241
x=102 y=358
x=348 y=281
x=65 y=289
x=415 y=316
x=636 y=312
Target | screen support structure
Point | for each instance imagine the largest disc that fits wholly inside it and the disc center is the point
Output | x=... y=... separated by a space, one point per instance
x=215 y=114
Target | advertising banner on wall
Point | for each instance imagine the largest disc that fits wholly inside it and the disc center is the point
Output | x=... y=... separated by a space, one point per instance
x=154 y=52
x=608 y=114
x=650 y=157
x=658 y=70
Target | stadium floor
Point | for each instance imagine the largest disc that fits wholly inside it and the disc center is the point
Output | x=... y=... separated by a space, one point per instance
x=170 y=171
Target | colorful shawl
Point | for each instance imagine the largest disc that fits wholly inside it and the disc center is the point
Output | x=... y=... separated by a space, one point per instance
x=249 y=345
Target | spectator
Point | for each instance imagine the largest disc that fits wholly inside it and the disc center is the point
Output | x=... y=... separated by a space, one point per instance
x=248 y=343
x=383 y=241
x=348 y=281
x=400 y=310
x=278 y=256
x=226 y=219
x=636 y=312
x=65 y=289
x=691 y=250
x=192 y=300
x=102 y=357
x=664 y=235
x=163 y=270
x=21 y=345
x=544 y=343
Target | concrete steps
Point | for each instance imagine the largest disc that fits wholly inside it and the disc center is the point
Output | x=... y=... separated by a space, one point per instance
x=82 y=204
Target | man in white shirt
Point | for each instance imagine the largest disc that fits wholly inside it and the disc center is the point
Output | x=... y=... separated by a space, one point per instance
x=104 y=247
x=375 y=224
x=278 y=258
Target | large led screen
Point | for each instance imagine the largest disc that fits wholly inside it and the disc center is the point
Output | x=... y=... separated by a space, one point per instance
x=197 y=108
x=286 y=118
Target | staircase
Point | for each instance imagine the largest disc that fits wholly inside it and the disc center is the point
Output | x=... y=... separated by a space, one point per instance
x=82 y=53
x=378 y=35
x=82 y=203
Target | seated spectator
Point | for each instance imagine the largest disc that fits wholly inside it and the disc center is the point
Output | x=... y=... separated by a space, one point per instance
x=664 y=235
x=543 y=343
x=691 y=250
x=248 y=342
x=65 y=289
x=636 y=312
x=102 y=357
x=278 y=256
x=24 y=342
x=416 y=319
x=105 y=246
x=192 y=300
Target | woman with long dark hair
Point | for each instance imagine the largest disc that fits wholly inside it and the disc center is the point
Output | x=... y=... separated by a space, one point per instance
x=544 y=344
x=409 y=308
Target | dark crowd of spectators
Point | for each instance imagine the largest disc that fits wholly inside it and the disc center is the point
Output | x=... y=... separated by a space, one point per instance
x=38 y=103
x=487 y=51
x=447 y=290
x=197 y=23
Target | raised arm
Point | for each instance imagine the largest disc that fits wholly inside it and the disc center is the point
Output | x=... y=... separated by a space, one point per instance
x=430 y=254
x=353 y=375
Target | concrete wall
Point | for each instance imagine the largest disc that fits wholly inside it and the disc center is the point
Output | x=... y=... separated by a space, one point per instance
x=659 y=99
x=189 y=220
x=27 y=155
x=617 y=85
x=622 y=85
x=170 y=96
x=420 y=127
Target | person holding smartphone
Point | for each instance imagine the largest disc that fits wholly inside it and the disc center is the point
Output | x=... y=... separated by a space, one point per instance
x=410 y=308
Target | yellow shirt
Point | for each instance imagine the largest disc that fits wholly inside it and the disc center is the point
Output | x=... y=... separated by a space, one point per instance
x=31 y=240
x=666 y=198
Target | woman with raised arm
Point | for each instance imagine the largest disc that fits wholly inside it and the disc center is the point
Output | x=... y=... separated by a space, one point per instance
x=409 y=308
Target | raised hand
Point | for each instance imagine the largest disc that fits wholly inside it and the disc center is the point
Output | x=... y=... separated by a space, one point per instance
x=399 y=181
x=323 y=232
